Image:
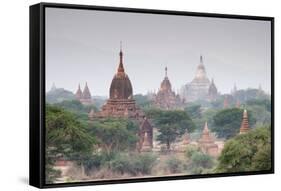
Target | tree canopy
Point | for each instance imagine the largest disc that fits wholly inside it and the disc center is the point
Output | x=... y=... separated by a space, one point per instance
x=65 y=137
x=114 y=134
x=227 y=122
x=247 y=152
x=171 y=125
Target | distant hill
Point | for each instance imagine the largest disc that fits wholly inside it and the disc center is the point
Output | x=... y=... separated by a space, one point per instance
x=59 y=95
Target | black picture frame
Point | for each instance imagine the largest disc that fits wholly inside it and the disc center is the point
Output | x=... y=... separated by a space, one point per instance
x=37 y=93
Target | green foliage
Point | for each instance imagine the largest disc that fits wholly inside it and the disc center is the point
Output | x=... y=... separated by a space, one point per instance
x=250 y=94
x=202 y=160
x=59 y=95
x=266 y=103
x=171 y=125
x=142 y=101
x=261 y=110
x=227 y=122
x=198 y=162
x=65 y=137
x=190 y=150
x=247 y=152
x=174 y=165
x=115 y=134
x=75 y=106
x=122 y=163
x=194 y=111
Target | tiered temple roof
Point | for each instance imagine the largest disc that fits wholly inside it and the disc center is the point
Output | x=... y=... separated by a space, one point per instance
x=207 y=142
x=200 y=88
x=166 y=98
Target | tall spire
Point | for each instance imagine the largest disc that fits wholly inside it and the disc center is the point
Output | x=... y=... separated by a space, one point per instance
x=78 y=93
x=201 y=59
x=245 y=123
x=166 y=69
x=121 y=67
x=86 y=92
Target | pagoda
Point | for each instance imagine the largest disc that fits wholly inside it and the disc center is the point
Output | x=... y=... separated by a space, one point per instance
x=245 y=123
x=85 y=96
x=121 y=104
x=165 y=97
x=213 y=91
x=207 y=143
x=200 y=88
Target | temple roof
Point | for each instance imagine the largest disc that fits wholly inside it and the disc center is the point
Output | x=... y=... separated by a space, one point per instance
x=201 y=75
x=86 y=92
x=78 y=93
x=121 y=87
x=213 y=88
x=166 y=84
x=206 y=137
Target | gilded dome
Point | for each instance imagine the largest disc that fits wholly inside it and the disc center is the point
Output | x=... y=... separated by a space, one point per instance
x=121 y=87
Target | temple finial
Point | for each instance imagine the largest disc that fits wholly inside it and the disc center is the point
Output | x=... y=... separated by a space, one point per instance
x=166 y=69
x=201 y=59
x=121 y=67
x=121 y=46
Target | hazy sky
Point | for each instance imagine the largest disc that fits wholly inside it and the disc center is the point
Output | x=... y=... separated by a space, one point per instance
x=83 y=45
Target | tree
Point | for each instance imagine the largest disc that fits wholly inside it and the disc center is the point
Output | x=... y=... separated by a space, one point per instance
x=172 y=124
x=115 y=134
x=142 y=101
x=247 y=152
x=227 y=122
x=65 y=137
x=194 y=111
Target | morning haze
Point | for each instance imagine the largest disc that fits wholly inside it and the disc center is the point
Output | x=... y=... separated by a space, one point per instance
x=83 y=45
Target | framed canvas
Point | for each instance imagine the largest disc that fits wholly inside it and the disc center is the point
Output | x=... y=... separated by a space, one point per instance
x=121 y=95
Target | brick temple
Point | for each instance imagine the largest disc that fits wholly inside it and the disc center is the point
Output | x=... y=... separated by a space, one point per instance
x=121 y=104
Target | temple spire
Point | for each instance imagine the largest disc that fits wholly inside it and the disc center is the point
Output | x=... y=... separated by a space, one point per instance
x=245 y=123
x=201 y=59
x=166 y=69
x=121 y=67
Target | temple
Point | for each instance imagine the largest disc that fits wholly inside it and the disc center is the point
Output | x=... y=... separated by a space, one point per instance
x=122 y=105
x=200 y=88
x=245 y=123
x=85 y=96
x=207 y=143
x=165 y=97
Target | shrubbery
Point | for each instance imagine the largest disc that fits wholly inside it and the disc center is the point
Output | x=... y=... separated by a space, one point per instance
x=122 y=163
x=175 y=165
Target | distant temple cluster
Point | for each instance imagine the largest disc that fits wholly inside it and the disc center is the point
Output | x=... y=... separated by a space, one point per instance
x=166 y=98
x=85 y=96
x=121 y=104
x=200 y=88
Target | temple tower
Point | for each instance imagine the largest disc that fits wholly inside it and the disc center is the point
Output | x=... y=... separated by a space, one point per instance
x=245 y=123
x=84 y=97
x=78 y=94
x=213 y=91
x=207 y=143
x=166 y=98
x=199 y=88
x=122 y=105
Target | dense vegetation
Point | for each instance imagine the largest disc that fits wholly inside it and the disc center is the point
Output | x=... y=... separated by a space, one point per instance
x=106 y=148
x=247 y=152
